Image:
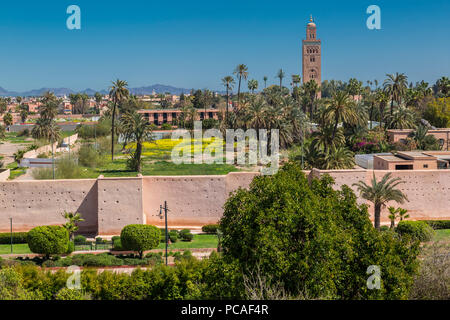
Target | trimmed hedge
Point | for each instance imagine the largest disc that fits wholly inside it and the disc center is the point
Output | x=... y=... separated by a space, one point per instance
x=138 y=237
x=419 y=230
x=210 y=228
x=117 y=244
x=48 y=240
x=438 y=224
x=18 y=237
x=186 y=235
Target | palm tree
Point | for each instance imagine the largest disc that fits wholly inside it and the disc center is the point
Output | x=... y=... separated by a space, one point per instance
x=281 y=75
x=253 y=85
x=138 y=128
x=402 y=118
x=311 y=88
x=228 y=82
x=443 y=86
x=98 y=99
x=48 y=110
x=71 y=224
x=395 y=86
x=296 y=79
x=341 y=109
x=118 y=93
x=422 y=139
x=241 y=71
x=265 y=78
x=8 y=119
x=338 y=158
x=379 y=193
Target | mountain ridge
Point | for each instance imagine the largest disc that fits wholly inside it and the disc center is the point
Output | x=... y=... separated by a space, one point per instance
x=145 y=90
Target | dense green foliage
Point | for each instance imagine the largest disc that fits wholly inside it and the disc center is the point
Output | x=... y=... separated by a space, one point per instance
x=48 y=240
x=17 y=237
x=186 y=235
x=312 y=239
x=137 y=237
x=419 y=230
x=210 y=228
x=439 y=224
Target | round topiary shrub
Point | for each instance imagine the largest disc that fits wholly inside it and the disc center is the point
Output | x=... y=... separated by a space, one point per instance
x=80 y=240
x=186 y=235
x=48 y=240
x=419 y=230
x=138 y=237
x=173 y=236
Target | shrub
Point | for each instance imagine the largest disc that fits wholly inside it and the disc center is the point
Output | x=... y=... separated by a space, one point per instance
x=186 y=235
x=210 y=228
x=70 y=247
x=72 y=294
x=117 y=244
x=17 y=237
x=24 y=133
x=88 y=156
x=99 y=240
x=139 y=238
x=80 y=240
x=313 y=240
x=173 y=236
x=48 y=240
x=418 y=230
x=384 y=228
x=438 y=224
x=166 y=126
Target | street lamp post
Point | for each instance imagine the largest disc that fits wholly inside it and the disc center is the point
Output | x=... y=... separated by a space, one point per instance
x=165 y=222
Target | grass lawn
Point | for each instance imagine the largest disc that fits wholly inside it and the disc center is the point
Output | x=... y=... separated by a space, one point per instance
x=13 y=138
x=442 y=235
x=17 y=248
x=15 y=171
x=199 y=241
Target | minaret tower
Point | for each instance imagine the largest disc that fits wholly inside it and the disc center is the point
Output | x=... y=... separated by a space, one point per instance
x=311 y=55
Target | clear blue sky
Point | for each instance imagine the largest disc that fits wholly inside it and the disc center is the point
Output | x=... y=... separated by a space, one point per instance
x=193 y=44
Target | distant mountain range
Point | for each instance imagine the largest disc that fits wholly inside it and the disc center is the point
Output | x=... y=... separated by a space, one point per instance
x=157 y=88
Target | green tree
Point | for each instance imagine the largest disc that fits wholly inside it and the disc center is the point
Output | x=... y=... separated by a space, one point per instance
x=281 y=75
x=138 y=128
x=265 y=78
x=8 y=119
x=395 y=86
x=312 y=240
x=252 y=85
x=118 y=93
x=241 y=72
x=138 y=237
x=228 y=82
x=72 y=222
x=341 y=109
x=380 y=193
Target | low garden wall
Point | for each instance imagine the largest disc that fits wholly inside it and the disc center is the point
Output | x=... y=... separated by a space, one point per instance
x=4 y=174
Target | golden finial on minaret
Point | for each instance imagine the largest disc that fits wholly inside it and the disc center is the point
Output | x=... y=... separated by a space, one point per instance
x=311 y=19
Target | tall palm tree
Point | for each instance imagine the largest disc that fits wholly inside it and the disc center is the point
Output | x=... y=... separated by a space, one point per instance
x=281 y=75
x=296 y=79
x=252 y=85
x=395 y=86
x=140 y=130
x=265 y=78
x=48 y=110
x=228 y=82
x=341 y=109
x=118 y=93
x=311 y=89
x=241 y=72
x=401 y=118
x=380 y=193
x=98 y=99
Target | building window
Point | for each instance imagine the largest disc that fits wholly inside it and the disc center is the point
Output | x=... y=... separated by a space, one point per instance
x=425 y=166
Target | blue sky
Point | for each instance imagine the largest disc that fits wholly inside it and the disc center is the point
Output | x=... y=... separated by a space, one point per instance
x=193 y=44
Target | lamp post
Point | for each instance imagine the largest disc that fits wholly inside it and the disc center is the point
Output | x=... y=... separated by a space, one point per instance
x=165 y=221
